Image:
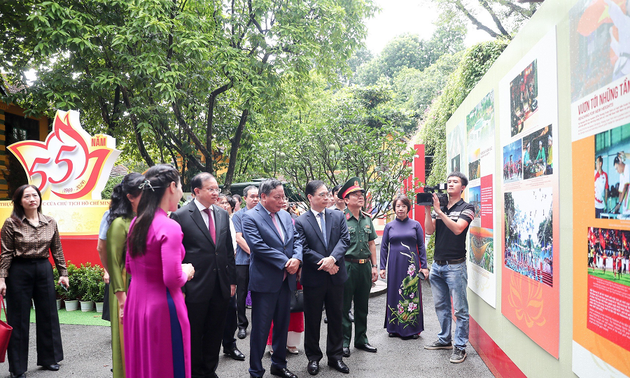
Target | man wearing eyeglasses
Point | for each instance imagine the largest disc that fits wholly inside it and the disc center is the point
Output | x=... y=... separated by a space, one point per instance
x=209 y=248
x=275 y=257
x=325 y=239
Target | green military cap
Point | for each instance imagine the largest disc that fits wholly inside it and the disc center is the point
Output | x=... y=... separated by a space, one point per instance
x=351 y=186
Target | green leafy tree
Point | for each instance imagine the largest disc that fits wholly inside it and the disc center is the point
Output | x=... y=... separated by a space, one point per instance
x=417 y=89
x=474 y=64
x=331 y=141
x=182 y=75
x=408 y=51
x=498 y=18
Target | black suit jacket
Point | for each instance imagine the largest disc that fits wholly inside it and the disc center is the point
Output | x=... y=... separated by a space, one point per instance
x=210 y=260
x=314 y=249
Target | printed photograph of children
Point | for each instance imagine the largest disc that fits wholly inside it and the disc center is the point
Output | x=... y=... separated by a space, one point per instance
x=529 y=234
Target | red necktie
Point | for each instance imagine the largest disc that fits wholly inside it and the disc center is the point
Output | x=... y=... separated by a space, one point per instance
x=213 y=232
x=275 y=222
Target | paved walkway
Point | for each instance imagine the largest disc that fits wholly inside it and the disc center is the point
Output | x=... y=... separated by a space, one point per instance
x=88 y=354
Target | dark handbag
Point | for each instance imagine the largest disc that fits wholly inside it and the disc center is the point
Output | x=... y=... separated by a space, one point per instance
x=297 y=301
x=5 y=333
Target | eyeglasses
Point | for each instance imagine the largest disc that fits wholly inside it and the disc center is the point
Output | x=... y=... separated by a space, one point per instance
x=213 y=190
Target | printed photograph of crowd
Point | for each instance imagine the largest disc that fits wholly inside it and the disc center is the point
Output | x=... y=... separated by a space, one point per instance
x=513 y=161
x=538 y=154
x=608 y=254
x=523 y=97
x=529 y=233
x=612 y=173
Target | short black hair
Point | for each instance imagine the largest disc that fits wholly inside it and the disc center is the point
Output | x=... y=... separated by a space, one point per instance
x=599 y=159
x=268 y=185
x=461 y=176
x=197 y=181
x=335 y=190
x=617 y=160
x=312 y=187
x=247 y=189
x=404 y=200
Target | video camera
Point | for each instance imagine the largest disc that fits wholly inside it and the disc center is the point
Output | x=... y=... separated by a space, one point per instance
x=426 y=198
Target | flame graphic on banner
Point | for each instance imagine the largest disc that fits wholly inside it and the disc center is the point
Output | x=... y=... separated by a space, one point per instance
x=70 y=164
x=527 y=301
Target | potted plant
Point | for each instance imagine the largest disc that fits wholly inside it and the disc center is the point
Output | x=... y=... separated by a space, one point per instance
x=71 y=295
x=94 y=285
x=84 y=288
x=58 y=289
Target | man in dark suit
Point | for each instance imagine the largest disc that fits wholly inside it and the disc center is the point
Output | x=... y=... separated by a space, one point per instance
x=209 y=249
x=325 y=239
x=276 y=255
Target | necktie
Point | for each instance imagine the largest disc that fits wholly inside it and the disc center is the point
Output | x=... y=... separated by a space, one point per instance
x=275 y=223
x=213 y=232
x=322 y=218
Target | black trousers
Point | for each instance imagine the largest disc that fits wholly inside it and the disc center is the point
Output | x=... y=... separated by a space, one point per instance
x=314 y=297
x=242 y=283
x=32 y=278
x=207 y=320
x=229 y=342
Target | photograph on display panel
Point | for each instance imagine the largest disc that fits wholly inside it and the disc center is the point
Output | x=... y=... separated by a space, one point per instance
x=538 y=153
x=455 y=164
x=529 y=233
x=513 y=161
x=524 y=98
x=455 y=147
x=612 y=173
x=608 y=254
x=480 y=130
x=600 y=44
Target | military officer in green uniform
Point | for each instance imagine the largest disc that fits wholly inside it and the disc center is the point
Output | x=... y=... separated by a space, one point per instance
x=361 y=265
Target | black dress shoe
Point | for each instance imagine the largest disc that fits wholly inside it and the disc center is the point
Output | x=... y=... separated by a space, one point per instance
x=281 y=372
x=242 y=333
x=339 y=366
x=366 y=347
x=53 y=367
x=313 y=367
x=346 y=352
x=410 y=337
x=234 y=354
x=23 y=375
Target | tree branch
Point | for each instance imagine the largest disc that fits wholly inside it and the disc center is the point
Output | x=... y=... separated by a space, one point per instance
x=134 y=120
x=474 y=20
x=236 y=141
x=182 y=123
x=497 y=22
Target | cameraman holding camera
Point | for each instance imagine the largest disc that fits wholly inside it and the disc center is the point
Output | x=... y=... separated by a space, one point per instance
x=449 y=275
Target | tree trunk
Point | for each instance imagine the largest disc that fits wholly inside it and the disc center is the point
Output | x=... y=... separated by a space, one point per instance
x=229 y=176
x=143 y=151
